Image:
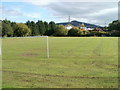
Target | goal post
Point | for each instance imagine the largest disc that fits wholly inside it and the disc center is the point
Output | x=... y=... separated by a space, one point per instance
x=47 y=45
x=46 y=40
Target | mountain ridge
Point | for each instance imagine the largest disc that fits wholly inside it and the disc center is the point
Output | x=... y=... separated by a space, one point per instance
x=77 y=24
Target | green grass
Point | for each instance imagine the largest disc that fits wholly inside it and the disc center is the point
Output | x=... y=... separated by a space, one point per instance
x=74 y=62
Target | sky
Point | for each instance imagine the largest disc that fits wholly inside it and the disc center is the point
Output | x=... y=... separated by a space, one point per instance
x=99 y=13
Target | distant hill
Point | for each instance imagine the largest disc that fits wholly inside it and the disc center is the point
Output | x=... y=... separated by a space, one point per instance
x=77 y=23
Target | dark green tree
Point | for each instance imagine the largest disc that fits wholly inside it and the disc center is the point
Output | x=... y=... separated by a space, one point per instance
x=115 y=25
x=46 y=26
x=7 y=30
x=32 y=25
x=0 y=28
x=14 y=26
x=34 y=29
x=7 y=21
x=41 y=27
x=52 y=27
x=114 y=28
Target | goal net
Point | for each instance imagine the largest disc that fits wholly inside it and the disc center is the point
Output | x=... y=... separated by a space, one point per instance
x=34 y=47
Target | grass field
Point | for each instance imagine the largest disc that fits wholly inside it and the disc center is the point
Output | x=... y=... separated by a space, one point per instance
x=75 y=62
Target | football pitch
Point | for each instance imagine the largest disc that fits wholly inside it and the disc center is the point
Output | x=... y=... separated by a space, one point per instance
x=74 y=62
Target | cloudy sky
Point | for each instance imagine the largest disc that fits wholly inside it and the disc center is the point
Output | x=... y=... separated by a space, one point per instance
x=97 y=13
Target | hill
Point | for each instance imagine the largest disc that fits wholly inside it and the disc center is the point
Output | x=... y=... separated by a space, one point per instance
x=77 y=23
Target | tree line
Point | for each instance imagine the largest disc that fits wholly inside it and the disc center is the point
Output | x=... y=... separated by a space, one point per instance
x=31 y=28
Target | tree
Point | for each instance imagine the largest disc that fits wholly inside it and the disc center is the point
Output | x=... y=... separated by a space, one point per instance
x=0 y=28
x=32 y=25
x=85 y=33
x=46 y=27
x=75 y=31
x=14 y=26
x=115 y=25
x=52 y=27
x=60 y=31
x=7 y=21
x=22 y=30
x=7 y=30
x=41 y=27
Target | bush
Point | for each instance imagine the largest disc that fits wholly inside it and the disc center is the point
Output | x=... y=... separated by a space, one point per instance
x=115 y=33
x=22 y=30
x=75 y=31
x=85 y=33
x=60 y=31
x=98 y=33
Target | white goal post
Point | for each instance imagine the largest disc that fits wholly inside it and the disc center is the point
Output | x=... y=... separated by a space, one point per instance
x=47 y=45
x=47 y=42
x=48 y=48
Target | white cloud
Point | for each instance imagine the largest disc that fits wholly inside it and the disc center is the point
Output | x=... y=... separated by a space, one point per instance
x=105 y=11
x=40 y=2
x=16 y=12
x=90 y=12
x=60 y=1
x=7 y=11
x=32 y=15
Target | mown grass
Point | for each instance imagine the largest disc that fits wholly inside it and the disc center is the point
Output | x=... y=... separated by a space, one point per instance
x=75 y=62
